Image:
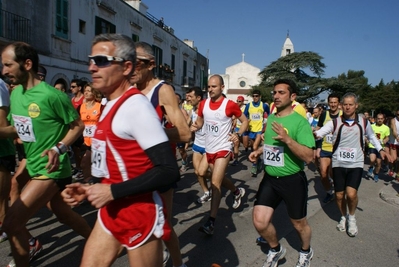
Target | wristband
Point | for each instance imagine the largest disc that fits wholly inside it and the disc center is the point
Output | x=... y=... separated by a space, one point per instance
x=55 y=148
x=62 y=148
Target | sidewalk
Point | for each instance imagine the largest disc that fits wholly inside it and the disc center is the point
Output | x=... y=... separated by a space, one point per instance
x=390 y=193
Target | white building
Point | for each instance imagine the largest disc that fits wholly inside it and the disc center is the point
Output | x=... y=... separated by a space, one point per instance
x=239 y=78
x=62 y=31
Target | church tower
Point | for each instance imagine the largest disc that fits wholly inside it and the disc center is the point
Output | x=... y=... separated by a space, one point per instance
x=288 y=46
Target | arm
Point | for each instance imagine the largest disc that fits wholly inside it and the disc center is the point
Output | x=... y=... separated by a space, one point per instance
x=244 y=124
x=6 y=130
x=302 y=152
x=181 y=131
x=392 y=125
x=323 y=131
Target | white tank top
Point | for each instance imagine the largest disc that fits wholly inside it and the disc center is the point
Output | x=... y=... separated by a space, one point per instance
x=217 y=126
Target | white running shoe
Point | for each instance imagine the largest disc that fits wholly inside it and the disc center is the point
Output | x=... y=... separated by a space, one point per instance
x=352 y=227
x=274 y=257
x=237 y=198
x=342 y=224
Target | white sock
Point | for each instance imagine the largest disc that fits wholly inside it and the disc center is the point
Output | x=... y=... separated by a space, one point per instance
x=351 y=217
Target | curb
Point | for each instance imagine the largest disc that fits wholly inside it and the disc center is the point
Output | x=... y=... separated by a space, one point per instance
x=390 y=195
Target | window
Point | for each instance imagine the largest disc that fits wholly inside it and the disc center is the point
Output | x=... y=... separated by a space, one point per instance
x=82 y=26
x=184 y=68
x=135 y=37
x=194 y=72
x=242 y=84
x=61 y=24
x=104 y=26
x=173 y=62
x=158 y=59
x=288 y=51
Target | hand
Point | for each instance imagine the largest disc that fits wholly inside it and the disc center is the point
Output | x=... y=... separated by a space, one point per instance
x=53 y=160
x=74 y=193
x=234 y=138
x=99 y=195
x=194 y=127
x=253 y=157
x=281 y=132
x=385 y=155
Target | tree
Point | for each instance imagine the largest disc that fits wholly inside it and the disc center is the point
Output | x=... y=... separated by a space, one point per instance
x=305 y=68
x=383 y=98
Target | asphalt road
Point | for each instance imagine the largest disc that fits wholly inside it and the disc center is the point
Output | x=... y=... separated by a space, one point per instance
x=233 y=243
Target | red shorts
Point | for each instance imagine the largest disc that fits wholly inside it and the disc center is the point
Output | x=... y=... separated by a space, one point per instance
x=212 y=157
x=133 y=220
x=393 y=147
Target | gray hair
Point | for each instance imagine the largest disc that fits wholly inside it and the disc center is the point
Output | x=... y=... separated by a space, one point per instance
x=348 y=95
x=124 y=46
x=147 y=49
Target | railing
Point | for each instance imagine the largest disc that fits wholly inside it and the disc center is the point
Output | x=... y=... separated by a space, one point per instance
x=160 y=23
x=14 y=27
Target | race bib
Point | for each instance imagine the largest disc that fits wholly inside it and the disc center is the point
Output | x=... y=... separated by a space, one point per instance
x=98 y=159
x=346 y=154
x=256 y=117
x=89 y=130
x=212 y=127
x=24 y=128
x=273 y=155
x=329 y=138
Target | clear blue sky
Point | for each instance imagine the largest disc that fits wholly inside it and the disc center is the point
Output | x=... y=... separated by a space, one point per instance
x=348 y=34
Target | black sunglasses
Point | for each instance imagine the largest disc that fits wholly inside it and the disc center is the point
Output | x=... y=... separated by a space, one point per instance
x=255 y=95
x=102 y=61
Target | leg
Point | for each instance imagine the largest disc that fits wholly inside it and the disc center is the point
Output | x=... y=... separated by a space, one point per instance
x=172 y=244
x=218 y=173
x=86 y=165
x=18 y=181
x=35 y=195
x=5 y=186
x=352 y=199
x=303 y=229
x=261 y=217
x=69 y=217
x=197 y=158
x=101 y=248
x=341 y=202
x=149 y=254
x=325 y=163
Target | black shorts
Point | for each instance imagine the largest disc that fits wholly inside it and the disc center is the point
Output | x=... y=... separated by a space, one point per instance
x=20 y=151
x=293 y=189
x=8 y=162
x=375 y=151
x=344 y=177
x=79 y=142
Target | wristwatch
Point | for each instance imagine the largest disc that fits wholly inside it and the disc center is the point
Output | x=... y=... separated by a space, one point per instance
x=61 y=147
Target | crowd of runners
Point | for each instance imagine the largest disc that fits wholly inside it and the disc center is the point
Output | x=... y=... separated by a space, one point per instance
x=114 y=143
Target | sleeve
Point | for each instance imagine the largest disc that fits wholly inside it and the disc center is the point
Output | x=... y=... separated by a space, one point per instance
x=305 y=135
x=326 y=129
x=246 y=110
x=232 y=109
x=63 y=107
x=4 y=95
x=201 y=108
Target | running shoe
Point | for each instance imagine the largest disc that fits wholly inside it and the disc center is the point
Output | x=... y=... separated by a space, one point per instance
x=207 y=196
x=370 y=172
x=35 y=250
x=207 y=228
x=3 y=237
x=352 y=227
x=304 y=259
x=261 y=240
x=328 y=198
x=254 y=170
x=166 y=256
x=376 y=178
x=183 y=168
x=237 y=198
x=342 y=224
x=235 y=163
x=273 y=257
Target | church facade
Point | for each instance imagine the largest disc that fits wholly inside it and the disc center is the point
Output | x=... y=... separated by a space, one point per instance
x=239 y=78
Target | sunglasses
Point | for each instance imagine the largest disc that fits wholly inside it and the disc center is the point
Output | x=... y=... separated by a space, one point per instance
x=102 y=61
x=239 y=101
x=255 y=95
x=74 y=86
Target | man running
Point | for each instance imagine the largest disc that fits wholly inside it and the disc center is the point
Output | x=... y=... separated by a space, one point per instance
x=214 y=114
x=288 y=143
x=347 y=133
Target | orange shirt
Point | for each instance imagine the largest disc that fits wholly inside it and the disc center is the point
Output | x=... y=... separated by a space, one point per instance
x=90 y=118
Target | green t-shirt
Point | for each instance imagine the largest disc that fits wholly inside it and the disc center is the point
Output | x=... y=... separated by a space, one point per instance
x=41 y=116
x=278 y=158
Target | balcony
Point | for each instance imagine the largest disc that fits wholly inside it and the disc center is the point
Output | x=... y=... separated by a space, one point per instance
x=160 y=23
x=14 y=27
x=187 y=81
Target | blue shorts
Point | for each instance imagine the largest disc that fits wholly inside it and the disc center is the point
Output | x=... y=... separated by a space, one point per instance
x=198 y=149
x=252 y=135
x=325 y=154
